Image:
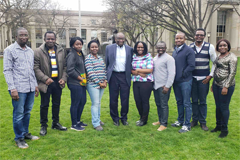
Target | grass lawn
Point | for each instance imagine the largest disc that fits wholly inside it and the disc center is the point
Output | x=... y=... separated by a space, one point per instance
x=123 y=142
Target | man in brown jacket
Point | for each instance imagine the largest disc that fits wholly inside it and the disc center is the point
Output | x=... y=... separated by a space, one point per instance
x=50 y=71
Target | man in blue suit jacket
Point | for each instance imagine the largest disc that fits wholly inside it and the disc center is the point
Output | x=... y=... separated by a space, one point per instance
x=185 y=64
x=119 y=65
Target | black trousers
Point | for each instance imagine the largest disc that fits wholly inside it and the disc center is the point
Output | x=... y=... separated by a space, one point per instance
x=222 y=106
x=56 y=91
x=118 y=83
x=142 y=92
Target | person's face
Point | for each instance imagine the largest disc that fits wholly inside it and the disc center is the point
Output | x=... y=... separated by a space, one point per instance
x=161 y=48
x=223 y=47
x=120 y=38
x=50 y=40
x=199 y=36
x=77 y=45
x=22 y=37
x=94 y=48
x=140 y=49
x=179 y=40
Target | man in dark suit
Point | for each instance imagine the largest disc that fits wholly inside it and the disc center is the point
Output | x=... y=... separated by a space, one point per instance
x=119 y=65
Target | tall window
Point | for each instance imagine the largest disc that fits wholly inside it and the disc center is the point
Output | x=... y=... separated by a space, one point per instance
x=103 y=36
x=93 y=34
x=62 y=37
x=221 y=24
x=72 y=33
x=83 y=34
x=38 y=36
x=38 y=33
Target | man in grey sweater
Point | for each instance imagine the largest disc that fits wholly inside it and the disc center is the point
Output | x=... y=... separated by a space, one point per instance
x=164 y=74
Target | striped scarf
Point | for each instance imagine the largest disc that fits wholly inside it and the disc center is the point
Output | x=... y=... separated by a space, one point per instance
x=53 y=63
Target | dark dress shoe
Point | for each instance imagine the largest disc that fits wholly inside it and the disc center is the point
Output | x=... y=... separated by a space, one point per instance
x=43 y=131
x=124 y=122
x=116 y=123
x=194 y=123
x=204 y=127
x=223 y=134
x=59 y=127
x=216 y=129
x=141 y=123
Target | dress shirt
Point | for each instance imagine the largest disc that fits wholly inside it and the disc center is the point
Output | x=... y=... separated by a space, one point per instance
x=178 y=48
x=120 y=59
x=163 y=71
x=213 y=56
x=18 y=68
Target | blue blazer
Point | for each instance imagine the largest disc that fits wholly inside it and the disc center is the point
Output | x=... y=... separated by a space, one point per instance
x=110 y=58
x=185 y=63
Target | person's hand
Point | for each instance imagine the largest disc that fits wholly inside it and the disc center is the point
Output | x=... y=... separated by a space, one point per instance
x=105 y=83
x=165 y=90
x=134 y=72
x=36 y=92
x=14 y=95
x=61 y=82
x=80 y=78
x=49 y=81
x=211 y=89
x=142 y=75
x=207 y=79
x=102 y=85
x=224 y=91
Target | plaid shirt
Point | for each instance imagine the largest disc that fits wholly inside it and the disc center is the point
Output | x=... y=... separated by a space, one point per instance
x=144 y=62
x=96 y=70
x=18 y=68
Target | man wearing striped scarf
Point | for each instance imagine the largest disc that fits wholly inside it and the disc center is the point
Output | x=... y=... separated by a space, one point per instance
x=50 y=71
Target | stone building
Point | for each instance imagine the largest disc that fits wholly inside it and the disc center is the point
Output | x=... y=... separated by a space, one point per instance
x=224 y=23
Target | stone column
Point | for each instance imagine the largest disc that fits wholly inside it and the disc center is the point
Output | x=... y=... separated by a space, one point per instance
x=67 y=38
x=213 y=28
x=44 y=30
x=33 y=38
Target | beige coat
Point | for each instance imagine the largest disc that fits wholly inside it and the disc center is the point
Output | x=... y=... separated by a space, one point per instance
x=42 y=66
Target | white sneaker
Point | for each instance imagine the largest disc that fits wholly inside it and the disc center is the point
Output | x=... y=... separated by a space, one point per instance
x=184 y=129
x=176 y=124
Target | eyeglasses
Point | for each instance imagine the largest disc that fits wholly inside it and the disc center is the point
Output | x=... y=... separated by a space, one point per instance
x=23 y=35
x=199 y=35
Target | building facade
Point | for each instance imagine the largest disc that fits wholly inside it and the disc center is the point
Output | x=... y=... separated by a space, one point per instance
x=224 y=23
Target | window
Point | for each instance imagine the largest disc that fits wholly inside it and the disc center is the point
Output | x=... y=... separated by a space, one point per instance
x=72 y=33
x=38 y=45
x=93 y=34
x=62 y=37
x=38 y=33
x=103 y=36
x=221 y=24
x=83 y=34
x=62 y=33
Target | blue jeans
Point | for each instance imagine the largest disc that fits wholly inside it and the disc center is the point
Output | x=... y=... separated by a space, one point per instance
x=182 y=94
x=78 y=100
x=21 y=113
x=96 y=96
x=222 y=106
x=199 y=98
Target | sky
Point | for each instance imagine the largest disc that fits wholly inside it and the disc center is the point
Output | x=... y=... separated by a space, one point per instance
x=86 y=5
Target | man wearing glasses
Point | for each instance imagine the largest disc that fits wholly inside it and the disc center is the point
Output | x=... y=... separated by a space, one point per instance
x=204 y=52
x=18 y=64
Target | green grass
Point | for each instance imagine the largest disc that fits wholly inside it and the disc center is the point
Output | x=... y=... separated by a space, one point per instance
x=123 y=142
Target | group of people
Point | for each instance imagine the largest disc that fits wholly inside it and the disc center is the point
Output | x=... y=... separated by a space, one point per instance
x=49 y=68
